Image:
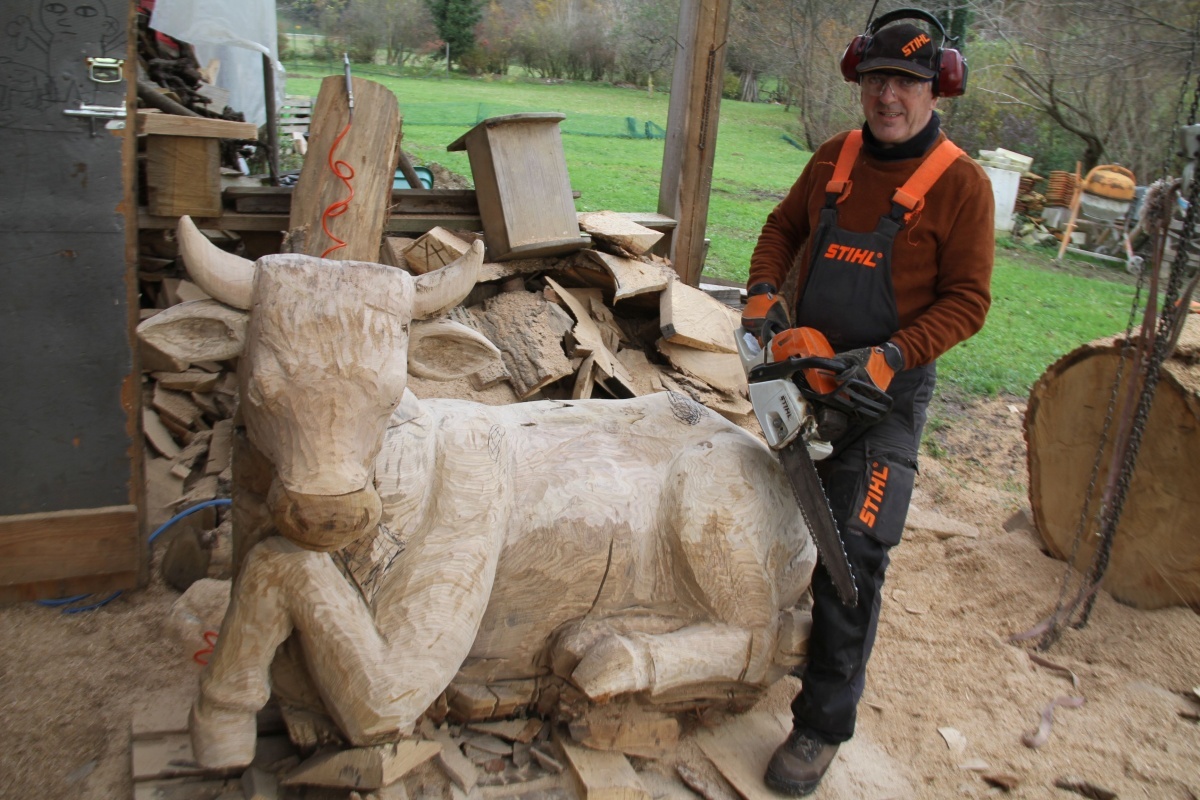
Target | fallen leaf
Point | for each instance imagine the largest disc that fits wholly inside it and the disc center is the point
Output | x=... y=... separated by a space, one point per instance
x=917 y=609
x=975 y=765
x=954 y=739
x=1005 y=780
x=1085 y=788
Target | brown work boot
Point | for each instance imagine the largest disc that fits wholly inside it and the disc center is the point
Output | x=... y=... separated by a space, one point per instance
x=799 y=764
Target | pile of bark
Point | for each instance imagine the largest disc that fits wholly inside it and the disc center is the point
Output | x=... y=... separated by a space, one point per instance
x=608 y=321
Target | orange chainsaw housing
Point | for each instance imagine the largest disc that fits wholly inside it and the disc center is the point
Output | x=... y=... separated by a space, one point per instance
x=806 y=343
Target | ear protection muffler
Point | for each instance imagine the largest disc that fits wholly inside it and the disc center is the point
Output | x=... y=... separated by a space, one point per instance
x=949 y=66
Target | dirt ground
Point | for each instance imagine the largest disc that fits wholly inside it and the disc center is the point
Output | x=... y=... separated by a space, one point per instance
x=959 y=585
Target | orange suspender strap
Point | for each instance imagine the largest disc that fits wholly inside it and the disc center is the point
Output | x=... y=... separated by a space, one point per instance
x=840 y=183
x=912 y=194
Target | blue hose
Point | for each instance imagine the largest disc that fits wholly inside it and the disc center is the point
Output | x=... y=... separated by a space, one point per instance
x=66 y=601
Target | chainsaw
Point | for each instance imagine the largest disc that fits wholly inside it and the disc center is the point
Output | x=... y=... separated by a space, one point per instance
x=803 y=406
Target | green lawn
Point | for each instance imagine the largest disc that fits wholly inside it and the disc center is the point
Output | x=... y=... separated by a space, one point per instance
x=753 y=169
x=1039 y=313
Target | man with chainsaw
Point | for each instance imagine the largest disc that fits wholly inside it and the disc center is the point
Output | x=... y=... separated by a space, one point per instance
x=891 y=230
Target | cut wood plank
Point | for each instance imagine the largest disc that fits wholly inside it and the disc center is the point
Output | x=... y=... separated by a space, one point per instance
x=603 y=775
x=689 y=316
x=706 y=781
x=513 y=730
x=721 y=371
x=392 y=251
x=627 y=728
x=220 y=448
x=610 y=226
x=742 y=746
x=631 y=277
x=588 y=336
x=585 y=379
x=363 y=767
x=177 y=125
x=157 y=434
x=458 y=768
x=176 y=407
x=371 y=145
x=528 y=330
x=192 y=380
x=434 y=250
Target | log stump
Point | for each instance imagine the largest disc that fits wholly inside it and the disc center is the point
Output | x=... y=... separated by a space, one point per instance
x=1155 y=560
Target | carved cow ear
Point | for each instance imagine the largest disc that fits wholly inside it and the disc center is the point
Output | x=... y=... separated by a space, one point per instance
x=443 y=350
x=446 y=287
x=196 y=330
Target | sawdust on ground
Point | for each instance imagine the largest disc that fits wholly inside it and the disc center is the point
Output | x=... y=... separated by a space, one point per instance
x=957 y=588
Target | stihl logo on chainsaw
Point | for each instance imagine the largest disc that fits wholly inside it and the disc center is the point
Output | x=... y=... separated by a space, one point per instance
x=879 y=476
x=853 y=255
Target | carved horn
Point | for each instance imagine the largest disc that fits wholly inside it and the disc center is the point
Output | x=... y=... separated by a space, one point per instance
x=221 y=275
x=446 y=287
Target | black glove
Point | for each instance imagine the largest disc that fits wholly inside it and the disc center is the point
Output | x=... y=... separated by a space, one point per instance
x=764 y=314
x=874 y=366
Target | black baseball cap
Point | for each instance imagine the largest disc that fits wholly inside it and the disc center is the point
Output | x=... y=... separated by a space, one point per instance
x=900 y=48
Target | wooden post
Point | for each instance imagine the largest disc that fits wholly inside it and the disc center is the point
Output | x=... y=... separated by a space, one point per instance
x=272 y=119
x=692 y=130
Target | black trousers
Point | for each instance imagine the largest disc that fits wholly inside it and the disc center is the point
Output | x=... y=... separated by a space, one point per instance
x=869 y=483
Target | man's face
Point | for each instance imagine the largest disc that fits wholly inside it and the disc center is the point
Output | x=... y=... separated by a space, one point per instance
x=897 y=107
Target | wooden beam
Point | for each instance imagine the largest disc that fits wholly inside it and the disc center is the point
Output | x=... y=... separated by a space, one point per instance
x=174 y=125
x=691 y=140
x=61 y=552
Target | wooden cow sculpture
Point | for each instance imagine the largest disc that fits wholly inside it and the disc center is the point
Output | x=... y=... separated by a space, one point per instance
x=635 y=546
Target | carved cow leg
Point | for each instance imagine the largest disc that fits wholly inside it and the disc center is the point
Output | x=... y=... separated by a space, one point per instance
x=721 y=556
x=282 y=587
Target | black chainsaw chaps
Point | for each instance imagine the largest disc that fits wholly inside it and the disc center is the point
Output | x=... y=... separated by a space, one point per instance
x=881 y=500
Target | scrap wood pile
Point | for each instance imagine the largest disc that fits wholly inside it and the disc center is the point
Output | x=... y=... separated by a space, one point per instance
x=608 y=321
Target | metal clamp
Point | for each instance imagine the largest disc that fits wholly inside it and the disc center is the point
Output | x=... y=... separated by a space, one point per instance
x=96 y=112
x=105 y=70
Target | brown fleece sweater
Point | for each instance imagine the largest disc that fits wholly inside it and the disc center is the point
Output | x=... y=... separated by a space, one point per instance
x=941 y=262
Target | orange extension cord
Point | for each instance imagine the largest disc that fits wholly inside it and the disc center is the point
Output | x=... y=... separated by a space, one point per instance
x=346 y=172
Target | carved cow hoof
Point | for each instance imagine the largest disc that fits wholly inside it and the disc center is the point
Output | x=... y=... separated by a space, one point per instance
x=222 y=737
x=614 y=665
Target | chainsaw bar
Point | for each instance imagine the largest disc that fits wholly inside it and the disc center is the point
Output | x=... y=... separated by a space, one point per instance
x=818 y=516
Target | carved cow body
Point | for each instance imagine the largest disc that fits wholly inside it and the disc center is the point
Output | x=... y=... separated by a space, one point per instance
x=643 y=545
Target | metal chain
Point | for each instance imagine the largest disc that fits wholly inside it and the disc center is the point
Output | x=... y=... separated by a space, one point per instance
x=1108 y=517
x=1166 y=324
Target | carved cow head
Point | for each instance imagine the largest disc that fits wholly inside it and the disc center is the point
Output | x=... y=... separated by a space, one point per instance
x=328 y=346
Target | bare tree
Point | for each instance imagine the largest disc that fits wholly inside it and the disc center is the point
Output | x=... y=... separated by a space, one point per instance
x=1107 y=71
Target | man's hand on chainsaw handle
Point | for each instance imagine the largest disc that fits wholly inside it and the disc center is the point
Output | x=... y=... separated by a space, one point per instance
x=765 y=314
x=873 y=365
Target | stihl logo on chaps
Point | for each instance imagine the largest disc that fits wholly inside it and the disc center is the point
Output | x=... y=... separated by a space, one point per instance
x=853 y=255
x=879 y=476
x=915 y=45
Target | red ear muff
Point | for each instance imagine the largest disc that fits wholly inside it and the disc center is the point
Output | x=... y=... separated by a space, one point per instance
x=952 y=74
x=853 y=57
x=951 y=77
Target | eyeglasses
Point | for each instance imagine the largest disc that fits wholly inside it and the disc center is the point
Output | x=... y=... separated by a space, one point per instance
x=901 y=85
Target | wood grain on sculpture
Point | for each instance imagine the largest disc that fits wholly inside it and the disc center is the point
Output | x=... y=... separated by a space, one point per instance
x=640 y=546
